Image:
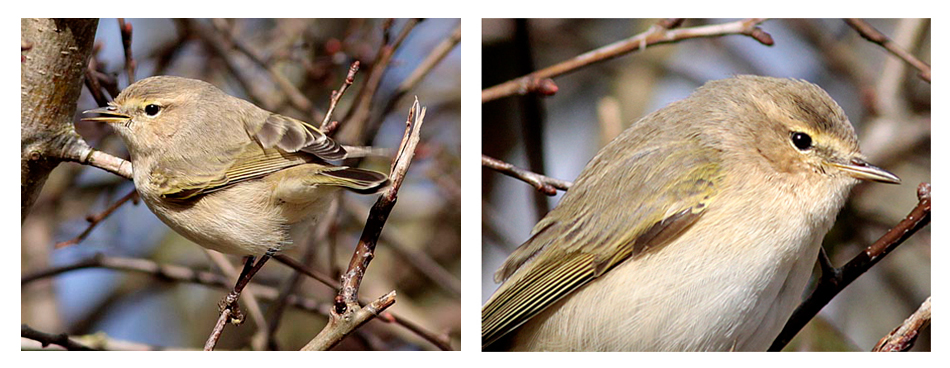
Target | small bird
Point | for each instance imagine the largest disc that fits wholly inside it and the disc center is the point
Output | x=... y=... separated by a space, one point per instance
x=696 y=229
x=223 y=172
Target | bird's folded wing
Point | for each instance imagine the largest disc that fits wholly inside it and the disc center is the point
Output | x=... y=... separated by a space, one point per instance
x=278 y=142
x=183 y=178
x=292 y=135
x=653 y=195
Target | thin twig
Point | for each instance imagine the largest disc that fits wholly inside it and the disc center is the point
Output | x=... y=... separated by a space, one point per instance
x=229 y=307
x=542 y=183
x=173 y=273
x=834 y=280
x=347 y=314
x=902 y=337
x=92 y=83
x=335 y=96
x=47 y=338
x=231 y=312
x=656 y=35
x=218 y=328
x=871 y=34
x=418 y=260
x=94 y=220
x=170 y=273
x=126 y=30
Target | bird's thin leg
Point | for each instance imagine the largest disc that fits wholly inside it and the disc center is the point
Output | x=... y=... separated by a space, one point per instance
x=247 y=273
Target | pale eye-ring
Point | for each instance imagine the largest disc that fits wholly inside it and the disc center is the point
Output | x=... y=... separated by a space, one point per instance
x=152 y=109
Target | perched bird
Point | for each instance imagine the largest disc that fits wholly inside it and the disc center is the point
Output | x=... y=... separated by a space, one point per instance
x=696 y=229
x=223 y=172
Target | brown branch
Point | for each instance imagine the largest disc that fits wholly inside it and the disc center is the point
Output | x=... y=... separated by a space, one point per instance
x=347 y=314
x=173 y=273
x=92 y=83
x=94 y=220
x=366 y=248
x=903 y=337
x=871 y=34
x=96 y=341
x=219 y=325
x=542 y=183
x=418 y=260
x=130 y=64
x=47 y=338
x=833 y=280
x=658 y=34
x=339 y=328
x=169 y=273
x=230 y=311
x=335 y=96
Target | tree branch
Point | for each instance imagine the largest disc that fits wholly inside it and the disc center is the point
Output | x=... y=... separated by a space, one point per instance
x=46 y=338
x=347 y=314
x=903 y=337
x=540 y=182
x=871 y=34
x=658 y=34
x=831 y=283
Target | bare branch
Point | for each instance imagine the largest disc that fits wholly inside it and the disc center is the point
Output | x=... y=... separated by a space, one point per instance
x=79 y=151
x=903 y=337
x=657 y=35
x=126 y=30
x=542 y=183
x=336 y=95
x=97 y=218
x=347 y=314
x=46 y=338
x=834 y=280
x=871 y=34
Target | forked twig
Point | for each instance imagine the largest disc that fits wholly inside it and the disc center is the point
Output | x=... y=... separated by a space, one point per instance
x=347 y=314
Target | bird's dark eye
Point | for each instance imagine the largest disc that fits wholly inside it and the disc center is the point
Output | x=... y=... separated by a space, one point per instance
x=801 y=141
x=152 y=109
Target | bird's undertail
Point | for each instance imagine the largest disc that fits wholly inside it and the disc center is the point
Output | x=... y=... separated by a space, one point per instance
x=358 y=180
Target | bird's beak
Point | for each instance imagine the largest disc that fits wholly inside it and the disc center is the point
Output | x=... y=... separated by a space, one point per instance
x=860 y=169
x=107 y=114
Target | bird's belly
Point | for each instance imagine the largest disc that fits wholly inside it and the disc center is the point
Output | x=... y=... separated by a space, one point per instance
x=729 y=301
x=236 y=220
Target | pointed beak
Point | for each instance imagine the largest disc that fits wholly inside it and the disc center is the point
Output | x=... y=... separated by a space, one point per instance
x=107 y=114
x=860 y=169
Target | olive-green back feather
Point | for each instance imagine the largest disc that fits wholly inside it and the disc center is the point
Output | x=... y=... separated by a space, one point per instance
x=276 y=142
x=664 y=190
